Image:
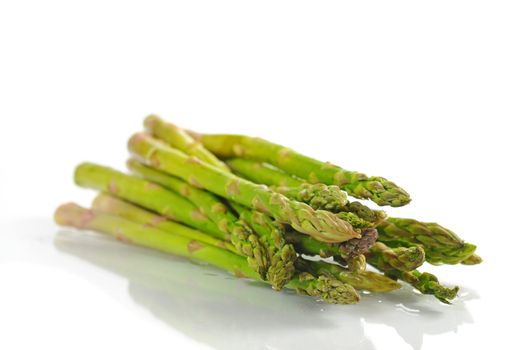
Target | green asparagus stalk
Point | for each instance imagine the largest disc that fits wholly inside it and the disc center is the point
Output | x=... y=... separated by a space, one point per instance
x=108 y=204
x=277 y=233
x=283 y=255
x=362 y=280
x=178 y=138
x=263 y=173
x=146 y=194
x=323 y=225
x=245 y=241
x=403 y=259
x=378 y=189
x=365 y=213
x=174 y=243
x=318 y=196
x=425 y=282
x=328 y=289
x=441 y=245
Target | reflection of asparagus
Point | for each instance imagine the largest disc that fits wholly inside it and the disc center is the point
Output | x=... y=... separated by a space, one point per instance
x=363 y=280
x=440 y=244
x=378 y=189
x=321 y=224
x=407 y=258
x=329 y=289
x=245 y=241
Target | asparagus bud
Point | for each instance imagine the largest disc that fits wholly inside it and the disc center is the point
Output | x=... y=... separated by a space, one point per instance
x=440 y=244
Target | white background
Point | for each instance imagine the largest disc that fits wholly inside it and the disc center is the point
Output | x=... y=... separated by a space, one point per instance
x=429 y=94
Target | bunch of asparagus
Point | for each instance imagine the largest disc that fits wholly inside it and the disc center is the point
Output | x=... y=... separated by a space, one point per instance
x=264 y=212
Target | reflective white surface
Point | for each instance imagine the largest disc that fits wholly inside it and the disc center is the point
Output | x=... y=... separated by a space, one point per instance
x=202 y=307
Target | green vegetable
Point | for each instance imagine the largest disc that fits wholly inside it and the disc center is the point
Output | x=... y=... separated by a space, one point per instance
x=403 y=259
x=441 y=245
x=363 y=280
x=318 y=196
x=174 y=242
x=108 y=204
x=329 y=289
x=424 y=282
x=378 y=189
x=178 y=138
x=323 y=225
x=283 y=255
x=427 y=283
x=245 y=241
x=146 y=194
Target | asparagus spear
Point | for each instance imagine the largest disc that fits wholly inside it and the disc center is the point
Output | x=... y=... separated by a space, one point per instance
x=146 y=194
x=329 y=289
x=283 y=255
x=365 y=213
x=263 y=173
x=363 y=280
x=245 y=241
x=323 y=225
x=318 y=196
x=378 y=189
x=424 y=282
x=178 y=138
x=175 y=243
x=276 y=233
x=403 y=259
x=108 y=204
x=440 y=244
